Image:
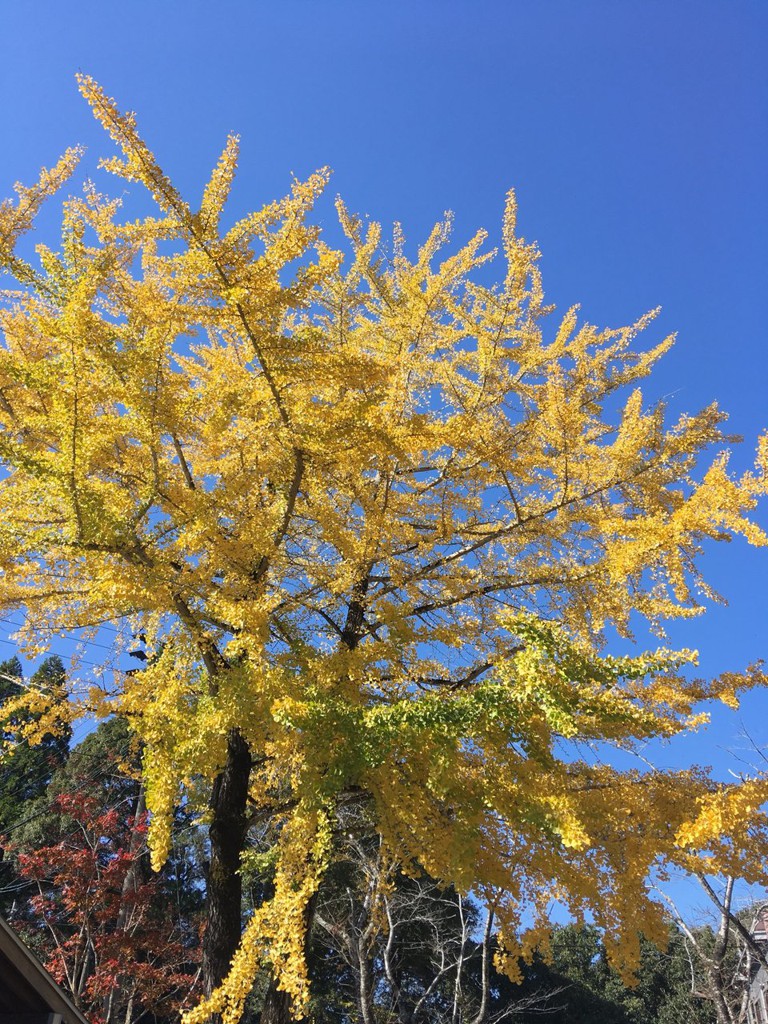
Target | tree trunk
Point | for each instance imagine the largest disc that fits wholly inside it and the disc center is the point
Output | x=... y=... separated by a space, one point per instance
x=365 y=987
x=113 y=1005
x=724 y=1015
x=277 y=1004
x=227 y=837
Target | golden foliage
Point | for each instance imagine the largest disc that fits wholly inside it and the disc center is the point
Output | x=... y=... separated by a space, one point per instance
x=375 y=516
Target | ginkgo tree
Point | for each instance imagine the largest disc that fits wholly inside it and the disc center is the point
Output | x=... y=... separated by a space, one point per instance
x=370 y=518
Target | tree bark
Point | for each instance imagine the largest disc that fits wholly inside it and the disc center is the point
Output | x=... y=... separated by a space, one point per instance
x=113 y=1005
x=277 y=1004
x=227 y=838
x=724 y=1015
x=365 y=986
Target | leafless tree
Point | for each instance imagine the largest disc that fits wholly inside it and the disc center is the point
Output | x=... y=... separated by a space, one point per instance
x=416 y=953
x=722 y=959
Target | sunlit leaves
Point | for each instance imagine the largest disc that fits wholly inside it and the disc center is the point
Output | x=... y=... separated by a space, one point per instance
x=375 y=515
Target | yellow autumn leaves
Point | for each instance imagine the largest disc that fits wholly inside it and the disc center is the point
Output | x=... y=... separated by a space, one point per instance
x=375 y=516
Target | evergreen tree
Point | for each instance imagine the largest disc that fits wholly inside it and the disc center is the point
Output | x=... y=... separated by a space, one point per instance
x=592 y=991
x=26 y=770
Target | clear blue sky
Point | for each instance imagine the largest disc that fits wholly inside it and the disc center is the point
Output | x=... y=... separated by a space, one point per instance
x=635 y=133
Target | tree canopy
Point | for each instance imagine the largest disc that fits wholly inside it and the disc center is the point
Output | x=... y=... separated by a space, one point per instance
x=369 y=518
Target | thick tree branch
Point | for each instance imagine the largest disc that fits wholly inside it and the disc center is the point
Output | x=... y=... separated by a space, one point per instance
x=755 y=948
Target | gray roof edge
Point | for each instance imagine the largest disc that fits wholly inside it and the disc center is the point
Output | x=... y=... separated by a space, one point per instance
x=25 y=961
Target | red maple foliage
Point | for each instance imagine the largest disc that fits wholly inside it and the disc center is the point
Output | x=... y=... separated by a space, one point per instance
x=104 y=924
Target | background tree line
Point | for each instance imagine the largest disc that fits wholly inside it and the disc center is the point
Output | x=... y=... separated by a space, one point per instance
x=125 y=942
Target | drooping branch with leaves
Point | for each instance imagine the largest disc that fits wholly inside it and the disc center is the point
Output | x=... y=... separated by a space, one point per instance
x=370 y=519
